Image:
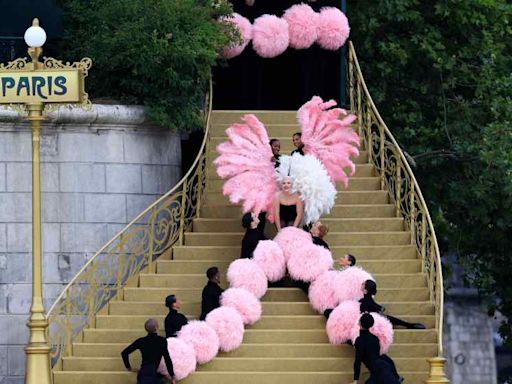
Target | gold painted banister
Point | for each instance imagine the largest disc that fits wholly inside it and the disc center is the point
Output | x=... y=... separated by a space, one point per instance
x=397 y=176
x=131 y=251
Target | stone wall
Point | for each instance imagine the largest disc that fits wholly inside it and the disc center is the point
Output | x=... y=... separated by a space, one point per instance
x=100 y=168
x=468 y=342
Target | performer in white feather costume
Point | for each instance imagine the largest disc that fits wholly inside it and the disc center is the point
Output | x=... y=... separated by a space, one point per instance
x=245 y=161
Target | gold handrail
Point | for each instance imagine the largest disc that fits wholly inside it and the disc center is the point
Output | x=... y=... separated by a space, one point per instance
x=397 y=176
x=134 y=249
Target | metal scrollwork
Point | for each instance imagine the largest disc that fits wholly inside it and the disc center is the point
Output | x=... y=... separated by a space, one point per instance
x=131 y=251
x=398 y=178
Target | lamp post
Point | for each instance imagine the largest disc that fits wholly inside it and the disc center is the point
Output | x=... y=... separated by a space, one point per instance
x=33 y=88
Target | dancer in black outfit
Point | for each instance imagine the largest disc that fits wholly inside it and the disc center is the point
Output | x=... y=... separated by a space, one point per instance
x=369 y=288
x=152 y=348
x=211 y=292
x=297 y=143
x=382 y=368
x=275 y=145
x=174 y=320
x=255 y=227
x=318 y=231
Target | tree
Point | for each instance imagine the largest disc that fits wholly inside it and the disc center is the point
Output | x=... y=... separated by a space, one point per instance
x=440 y=74
x=157 y=53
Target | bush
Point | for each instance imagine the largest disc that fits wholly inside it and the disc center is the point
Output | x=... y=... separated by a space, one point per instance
x=157 y=53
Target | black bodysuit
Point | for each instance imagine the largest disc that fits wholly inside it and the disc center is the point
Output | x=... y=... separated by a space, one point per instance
x=288 y=213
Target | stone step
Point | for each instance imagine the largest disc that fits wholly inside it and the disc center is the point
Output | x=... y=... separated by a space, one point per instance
x=266 y=322
x=354 y=184
x=345 y=211
x=267 y=336
x=288 y=308
x=362 y=170
x=373 y=252
x=343 y=197
x=234 y=364
x=286 y=150
x=270 y=350
x=246 y=377
x=266 y=117
x=334 y=238
x=273 y=294
x=383 y=224
x=400 y=280
x=375 y=266
x=273 y=129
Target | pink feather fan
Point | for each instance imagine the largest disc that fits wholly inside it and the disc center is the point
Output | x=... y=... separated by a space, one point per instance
x=245 y=161
x=245 y=303
x=291 y=238
x=247 y=274
x=269 y=256
x=183 y=358
x=308 y=262
x=244 y=28
x=228 y=325
x=202 y=338
x=330 y=140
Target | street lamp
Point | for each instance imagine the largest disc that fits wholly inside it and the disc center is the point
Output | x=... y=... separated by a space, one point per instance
x=32 y=88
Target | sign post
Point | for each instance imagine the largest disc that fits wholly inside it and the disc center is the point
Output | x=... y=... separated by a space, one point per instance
x=33 y=88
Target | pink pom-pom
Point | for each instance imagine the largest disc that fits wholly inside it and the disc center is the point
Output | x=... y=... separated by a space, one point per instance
x=290 y=239
x=270 y=36
x=228 y=325
x=309 y=262
x=247 y=274
x=183 y=358
x=245 y=303
x=244 y=27
x=333 y=29
x=343 y=323
x=322 y=291
x=302 y=25
x=348 y=284
x=269 y=256
x=202 y=338
x=383 y=329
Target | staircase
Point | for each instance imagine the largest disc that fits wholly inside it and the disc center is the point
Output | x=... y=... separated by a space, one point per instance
x=289 y=343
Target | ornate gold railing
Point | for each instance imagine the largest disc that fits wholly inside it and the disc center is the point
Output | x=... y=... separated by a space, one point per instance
x=132 y=250
x=396 y=176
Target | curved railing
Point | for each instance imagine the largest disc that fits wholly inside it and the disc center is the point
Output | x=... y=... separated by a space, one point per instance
x=396 y=176
x=132 y=250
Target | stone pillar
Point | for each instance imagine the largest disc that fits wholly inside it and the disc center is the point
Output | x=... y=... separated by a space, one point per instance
x=100 y=168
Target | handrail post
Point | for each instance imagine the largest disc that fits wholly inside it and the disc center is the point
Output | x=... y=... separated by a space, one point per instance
x=423 y=241
x=382 y=149
x=412 y=212
x=182 y=211
x=398 y=183
x=368 y=121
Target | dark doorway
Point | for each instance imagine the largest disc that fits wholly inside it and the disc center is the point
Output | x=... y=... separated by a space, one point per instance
x=281 y=83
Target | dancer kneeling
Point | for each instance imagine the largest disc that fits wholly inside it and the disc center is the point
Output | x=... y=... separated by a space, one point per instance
x=369 y=288
x=382 y=368
x=152 y=348
x=288 y=207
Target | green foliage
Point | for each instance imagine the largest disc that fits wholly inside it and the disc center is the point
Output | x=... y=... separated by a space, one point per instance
x=157 y=53
x=440 y=73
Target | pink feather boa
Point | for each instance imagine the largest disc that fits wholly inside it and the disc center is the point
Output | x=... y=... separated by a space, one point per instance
x=247 y=274
x=269 y=256
x=228 y=325
x=202 y=338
